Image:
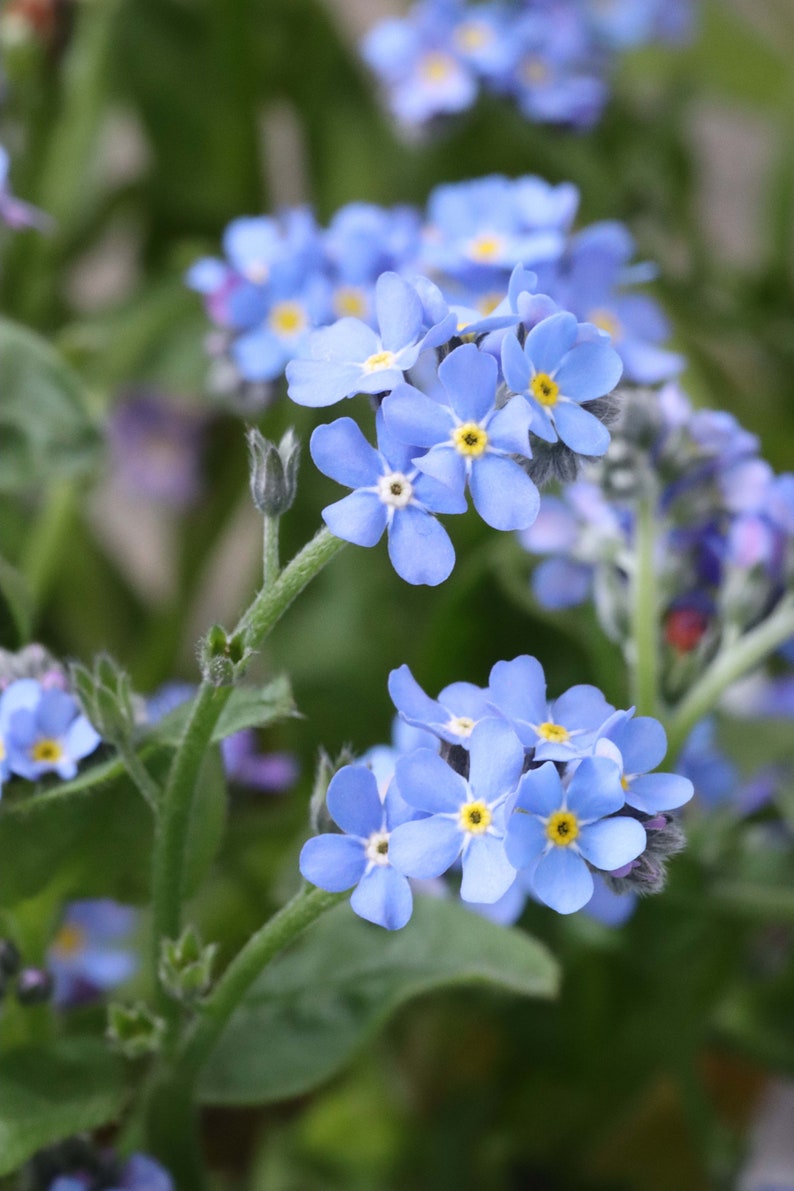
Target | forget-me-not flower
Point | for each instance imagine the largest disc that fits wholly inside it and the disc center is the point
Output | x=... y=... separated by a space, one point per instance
x=638 y=744
x=88 y=955
x=452 y=717
x=49 y=737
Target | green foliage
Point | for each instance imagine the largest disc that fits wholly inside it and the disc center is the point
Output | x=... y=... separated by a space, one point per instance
x=16 y=607
x=47 y=1095
x=248 y=707
x=319 y=1004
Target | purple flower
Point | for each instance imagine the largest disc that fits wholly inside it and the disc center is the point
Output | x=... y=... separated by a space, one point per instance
x=557 y=830
x=361 y=857
x=470 y=441
x=466 y=817
x=272 y=773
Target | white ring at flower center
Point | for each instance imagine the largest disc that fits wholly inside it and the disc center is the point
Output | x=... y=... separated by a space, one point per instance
x=395 y=489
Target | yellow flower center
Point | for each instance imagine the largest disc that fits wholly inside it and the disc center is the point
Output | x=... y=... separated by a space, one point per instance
x=475 y=817
x=436 y=67
x=462 y=725
x=605 y=320
x=624 y=782
x=554 y=732
x=534 y=70
x=2 y=750
x=47 y=750
x=69 y=941
x=487 y=247
x=473 y=35
x=544 y=389
x=562 y=828
x=377 y=849
x=379 y=361
x=349 y=301
x=395 y=490
x=287 y=318
x=470 y=439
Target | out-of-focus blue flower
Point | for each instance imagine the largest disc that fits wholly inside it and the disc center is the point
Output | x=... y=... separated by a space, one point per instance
x=138 y=1173
x=452 y=717
x=558 y=731
x=13 y=211
x=556 y=372
x=88 y=955
x=349 y=357
x=637 y=745
x=272 y=773
x=555 y=72
x=466 y=817
x=712 y=773
x=361 y=857
x=470 y=441
x=23 y=693
x=389 y=494
x=558 y=830
x=49 y=737
x=156 y=449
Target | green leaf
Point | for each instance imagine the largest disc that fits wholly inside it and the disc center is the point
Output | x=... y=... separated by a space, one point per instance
x=16 y=604
x=248 y=707
x=45 y=428
x=49 y=1095
x=94 y=834
x=316 y=1006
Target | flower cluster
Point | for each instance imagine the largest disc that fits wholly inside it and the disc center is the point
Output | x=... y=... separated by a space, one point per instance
x=723 y=522
x=552 y=58
x=527 y=795
x=284 y=277
x=42 y=730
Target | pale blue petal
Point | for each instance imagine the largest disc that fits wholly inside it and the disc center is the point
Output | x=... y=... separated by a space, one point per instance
x=542 y=424
x=425 y=848
x=55 y=712
x=563 y=881
x=560 y=583
x=611 y=843
x=540 y=791
x=419 y=547
x=496 y=759
x=315 y=383
x=413 y=417
x=81 y=738
x=549 y=341
x=469 y=377
x=508 y=430
x=399 y=311
x=411 y=701
x=582 y=706
x=487 y=873
x=428 y=783
x=595 y=789
x=503 y=494
x=438 y=497
x=259 y=355
x=642 y=742
x=580 y=430
x=354 y=802
x=659 y=792
x=333 y=862
x=446 y=465
x=383 y=896
x=515 y=365
x=518 y=689
x=359 y=518
x=525 y=840
x=589 y=371
x=340 y=451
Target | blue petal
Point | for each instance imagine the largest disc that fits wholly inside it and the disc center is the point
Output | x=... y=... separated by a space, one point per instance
x=642 y=743
x=419 y=547
x=428 y=783
x=560 y=583
x=354 y=802
x=595 y=789
x=81 y=738
x=446 y=465
x=55 y=712
x=383 y=896
x=340 y=451
x=526 y=840
x=540 y=791
x=503 y=494
x=563 y=881
x=469 y=377
x=259 y=355
x=611 y=843
x=359 y=518
x=582 y=706
x=549 y=341
x=333 y=862
x=580 y=430
x=659 y=792
x=438 y=497
x=426 y=847
x=496 y=759
x=413 y=417
x=399 y=311
x=315 y=383
x=518 y=689
x=487 y=872
x=464 y=698
x=515 y=365
x=589 y=371
x=508 y=430
x=411 y=701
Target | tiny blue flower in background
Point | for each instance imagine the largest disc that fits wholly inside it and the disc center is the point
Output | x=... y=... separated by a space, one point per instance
x=466 y=817
x=156 y=445
x=470 y=441
x=272 y=773
x=88 y=956
x=557 y=372
x=558 y=829
x=451 y=717
x=49 y=737
x=138 y=1173
x=362 y=855
x=555 y=70
x=636 y=745
x=390 y=494
x=561 y=730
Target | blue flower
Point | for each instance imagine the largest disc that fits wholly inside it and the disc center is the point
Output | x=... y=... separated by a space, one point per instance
x=470 y=440
x=559 y=731
x=361 y=857
x=555 y=75
x=557 y=830
x=86 y=957
x=389 y=494
x=557 y=372
x=23 y=693
x=349 y=357
x=451 y=717
x=636 y=745
x=139 y=1173
x=50 y=737
x=466 y=817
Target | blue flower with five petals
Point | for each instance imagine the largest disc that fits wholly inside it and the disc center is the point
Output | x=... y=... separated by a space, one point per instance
x=637 y=745
x=452 y=717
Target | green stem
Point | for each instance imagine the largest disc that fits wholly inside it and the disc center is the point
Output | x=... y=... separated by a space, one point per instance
x=140 y=775
x=270 y=563
x=261 y=948
x=272 y=601
x=49 y=538
x=729 y=665
x=644 y=655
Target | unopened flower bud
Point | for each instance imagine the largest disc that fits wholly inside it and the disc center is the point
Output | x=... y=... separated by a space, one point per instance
x=186 y=966
x=222 y=658
x=274 y=471
x=106 y=698
x=134 y=1030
